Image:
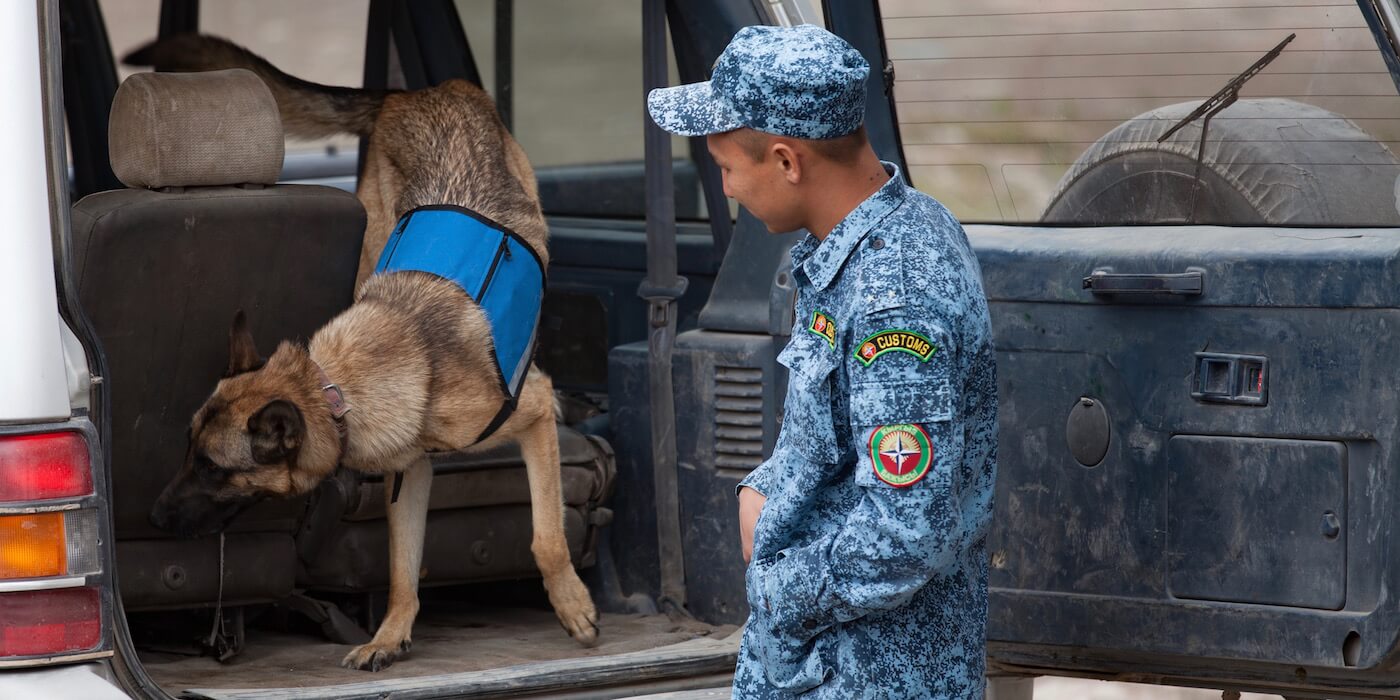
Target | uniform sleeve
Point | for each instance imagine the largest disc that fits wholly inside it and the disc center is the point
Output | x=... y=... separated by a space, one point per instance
x=764 y=477
x=904 y=404
x=759 y=479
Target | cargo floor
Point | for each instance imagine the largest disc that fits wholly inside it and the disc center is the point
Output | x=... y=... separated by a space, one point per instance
x=450 y=636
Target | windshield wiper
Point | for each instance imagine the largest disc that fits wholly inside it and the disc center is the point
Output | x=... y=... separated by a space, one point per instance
x=1228 y=94
x=1223 y=98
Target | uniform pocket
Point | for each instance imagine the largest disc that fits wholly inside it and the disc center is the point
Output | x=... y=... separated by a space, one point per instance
x=807 y=420
x=910 y=401
x=901 y=372
x=788 y=664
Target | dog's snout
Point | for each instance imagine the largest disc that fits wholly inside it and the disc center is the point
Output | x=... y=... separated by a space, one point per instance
x=162 y=516
x=185 y=511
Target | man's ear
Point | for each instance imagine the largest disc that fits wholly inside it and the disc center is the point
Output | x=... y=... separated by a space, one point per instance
x=276 y=431
x=784 y=157
x=242 y=354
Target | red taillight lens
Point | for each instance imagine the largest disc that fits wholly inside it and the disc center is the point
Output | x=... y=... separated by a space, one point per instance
x=35 y=623
x=36 y=467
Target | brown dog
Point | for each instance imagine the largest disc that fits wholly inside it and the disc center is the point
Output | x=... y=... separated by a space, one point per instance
x=412 y=356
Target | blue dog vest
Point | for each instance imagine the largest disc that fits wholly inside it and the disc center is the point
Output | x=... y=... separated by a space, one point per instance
x=497 y=269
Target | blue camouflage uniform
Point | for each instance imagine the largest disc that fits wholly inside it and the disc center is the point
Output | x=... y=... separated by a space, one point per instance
x=869 y=571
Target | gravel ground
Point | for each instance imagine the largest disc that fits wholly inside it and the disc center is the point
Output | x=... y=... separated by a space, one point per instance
x=1045 y=689
x=1076 y=689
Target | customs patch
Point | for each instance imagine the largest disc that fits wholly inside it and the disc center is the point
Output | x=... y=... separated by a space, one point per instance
x=823 y=326
x=900 y=454
x=892 y=340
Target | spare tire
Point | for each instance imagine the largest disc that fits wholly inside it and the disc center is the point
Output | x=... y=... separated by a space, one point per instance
x=1267 y=161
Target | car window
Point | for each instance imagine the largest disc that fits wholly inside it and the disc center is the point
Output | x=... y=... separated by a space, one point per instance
x=577 y=102
x=999 y=100
x=130 y=23
x=278 y=30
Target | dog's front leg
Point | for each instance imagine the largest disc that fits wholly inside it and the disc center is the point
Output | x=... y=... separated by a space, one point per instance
x=540 y=447
x=407 y=522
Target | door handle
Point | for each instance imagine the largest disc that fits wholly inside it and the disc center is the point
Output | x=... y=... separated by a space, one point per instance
x=1189 y=283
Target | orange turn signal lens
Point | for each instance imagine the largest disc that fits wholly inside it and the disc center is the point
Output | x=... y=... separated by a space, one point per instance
x=32 y=546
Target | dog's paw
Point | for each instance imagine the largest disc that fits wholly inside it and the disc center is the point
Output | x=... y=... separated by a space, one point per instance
x=584 y=629
x=575 y=609
x=375 y=657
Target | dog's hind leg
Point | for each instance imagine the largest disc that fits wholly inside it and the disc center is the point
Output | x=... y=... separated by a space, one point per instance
x=539 y=445
x=407 y=523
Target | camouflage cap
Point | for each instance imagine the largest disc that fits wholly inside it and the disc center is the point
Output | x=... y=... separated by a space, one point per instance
x=803 y=82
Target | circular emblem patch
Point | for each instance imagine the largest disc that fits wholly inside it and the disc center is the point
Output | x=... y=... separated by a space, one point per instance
x=901 y=454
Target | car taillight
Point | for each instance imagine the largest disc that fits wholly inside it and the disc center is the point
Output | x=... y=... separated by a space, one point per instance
x=32 y=546
x=44 y=466
x=35 y=545
x=40 y=623
x=51 y=573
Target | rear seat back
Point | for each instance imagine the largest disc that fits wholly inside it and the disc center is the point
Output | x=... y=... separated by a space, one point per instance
x=202 y=231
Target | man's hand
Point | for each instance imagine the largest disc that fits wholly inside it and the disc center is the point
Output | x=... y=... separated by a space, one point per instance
x=750 y=506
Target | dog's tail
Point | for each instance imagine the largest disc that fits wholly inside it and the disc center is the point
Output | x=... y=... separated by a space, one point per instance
x=309 y=110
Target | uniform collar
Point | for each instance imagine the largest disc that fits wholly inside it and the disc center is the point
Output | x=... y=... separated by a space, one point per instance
x=820 y=260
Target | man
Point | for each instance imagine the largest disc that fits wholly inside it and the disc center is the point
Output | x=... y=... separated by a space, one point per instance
x=866 y=529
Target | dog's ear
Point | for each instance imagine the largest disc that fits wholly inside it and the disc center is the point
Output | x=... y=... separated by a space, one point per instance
x=276 y=431
x=242 y=354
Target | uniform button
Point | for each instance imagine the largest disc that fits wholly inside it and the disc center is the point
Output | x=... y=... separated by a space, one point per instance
x=809 y=625
x=877 y=243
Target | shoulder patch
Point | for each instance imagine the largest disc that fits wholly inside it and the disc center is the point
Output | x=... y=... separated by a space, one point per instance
x=823 y=326
x=900 y=454
x=891 y=340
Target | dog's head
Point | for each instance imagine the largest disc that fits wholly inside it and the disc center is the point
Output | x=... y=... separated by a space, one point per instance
x=265 y=431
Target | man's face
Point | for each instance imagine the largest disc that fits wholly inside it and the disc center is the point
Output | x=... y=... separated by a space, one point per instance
x=761 y=186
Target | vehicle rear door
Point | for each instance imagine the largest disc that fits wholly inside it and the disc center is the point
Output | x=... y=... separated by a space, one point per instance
x=1198 y=415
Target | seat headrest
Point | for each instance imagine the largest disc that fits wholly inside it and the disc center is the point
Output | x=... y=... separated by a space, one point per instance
x=195 y=129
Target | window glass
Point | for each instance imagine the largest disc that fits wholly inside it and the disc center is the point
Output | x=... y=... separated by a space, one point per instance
x=130 y=23
x=278 y=31
x=578 y=106
x=997 y=100
x=789 y=13
x=577 y=72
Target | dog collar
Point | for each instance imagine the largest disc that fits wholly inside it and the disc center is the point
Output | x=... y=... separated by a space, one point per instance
x=336 y=398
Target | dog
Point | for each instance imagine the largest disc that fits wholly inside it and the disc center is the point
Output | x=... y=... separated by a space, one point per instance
x=408 y=369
